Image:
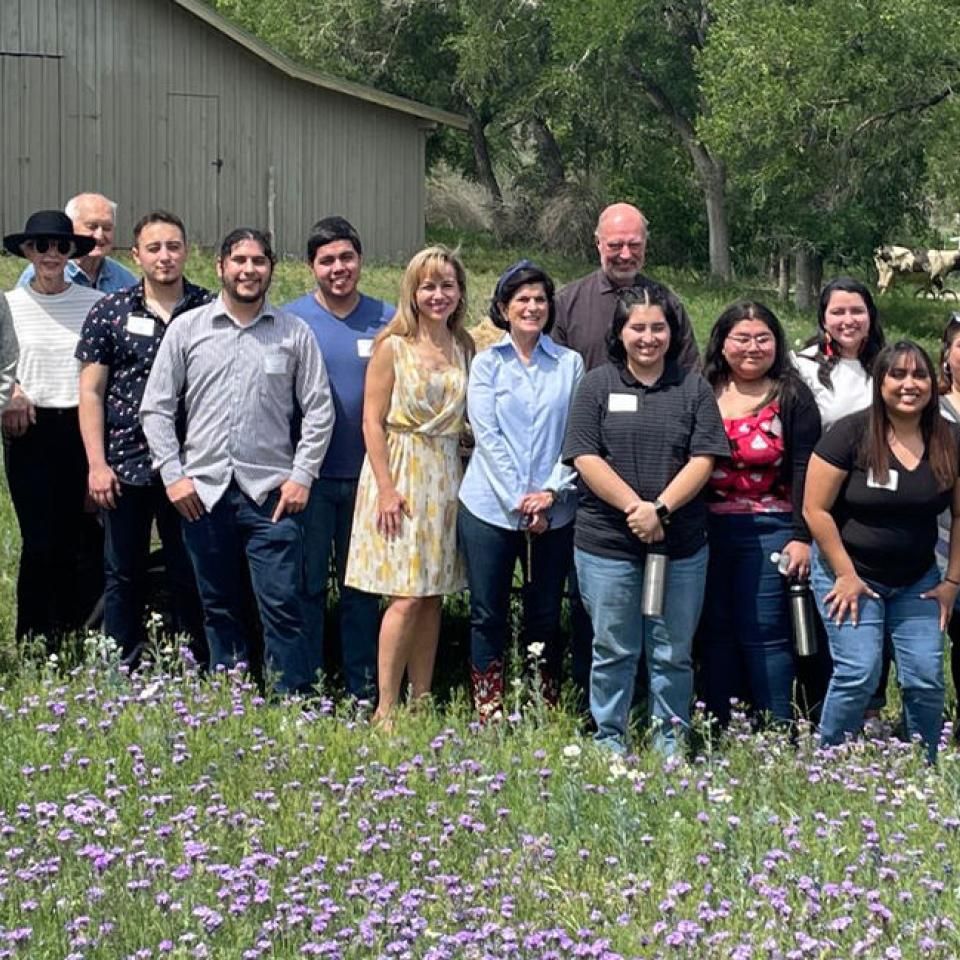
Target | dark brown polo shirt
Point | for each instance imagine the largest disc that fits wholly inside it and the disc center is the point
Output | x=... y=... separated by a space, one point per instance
x=585 y=312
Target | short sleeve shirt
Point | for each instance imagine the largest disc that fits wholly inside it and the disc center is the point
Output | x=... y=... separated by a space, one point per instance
x=122 y=333
x=889 y=530
x=647 y=435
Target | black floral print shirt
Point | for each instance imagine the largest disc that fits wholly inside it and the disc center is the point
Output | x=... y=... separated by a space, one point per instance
x=123 y=333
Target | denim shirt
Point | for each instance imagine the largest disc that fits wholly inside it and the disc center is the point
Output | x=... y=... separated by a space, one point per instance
x=111 y=278
x=518 y=414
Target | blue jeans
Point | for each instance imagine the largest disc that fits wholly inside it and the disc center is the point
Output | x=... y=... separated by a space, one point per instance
x=327 y=524
x=491 y=554
x=745 y=641
x=913 y=625
x=611 y=590
x=235 y=532
x=127 y=529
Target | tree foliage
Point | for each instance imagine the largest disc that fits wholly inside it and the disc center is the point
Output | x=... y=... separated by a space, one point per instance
x=758 y=125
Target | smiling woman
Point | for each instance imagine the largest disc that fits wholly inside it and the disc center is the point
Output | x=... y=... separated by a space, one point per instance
x=876 y=485
x=755 y=498
x=45 y=461
x=403 y=543
x=643 y=435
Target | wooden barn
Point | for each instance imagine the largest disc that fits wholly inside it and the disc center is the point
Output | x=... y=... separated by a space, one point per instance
x=163 y=103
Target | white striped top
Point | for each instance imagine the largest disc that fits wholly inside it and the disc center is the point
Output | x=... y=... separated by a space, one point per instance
x=48 y=328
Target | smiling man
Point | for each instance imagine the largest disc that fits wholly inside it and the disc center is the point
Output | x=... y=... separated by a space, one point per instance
x=93 y=215
x=117 y=348
x=585 y=307
x=243 y=371
x=345 y=322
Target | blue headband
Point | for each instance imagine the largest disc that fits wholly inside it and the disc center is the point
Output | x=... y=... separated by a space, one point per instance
x=511 y=271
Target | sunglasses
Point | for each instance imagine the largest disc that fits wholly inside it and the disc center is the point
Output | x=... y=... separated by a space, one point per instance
x=43 y=244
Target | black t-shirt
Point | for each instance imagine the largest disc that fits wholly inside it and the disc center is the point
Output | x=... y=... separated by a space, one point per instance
x=889 y=532
x=647 y=435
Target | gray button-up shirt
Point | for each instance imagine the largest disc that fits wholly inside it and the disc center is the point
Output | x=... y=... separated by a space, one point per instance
x=241 y=386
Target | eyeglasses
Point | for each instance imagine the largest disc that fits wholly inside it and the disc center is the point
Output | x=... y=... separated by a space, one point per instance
x=743 y=340
x=43 y=244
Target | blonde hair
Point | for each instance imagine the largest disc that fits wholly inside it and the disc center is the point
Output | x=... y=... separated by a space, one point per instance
x=406 y=321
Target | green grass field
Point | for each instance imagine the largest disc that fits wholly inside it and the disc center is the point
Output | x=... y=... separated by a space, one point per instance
x=164 y=816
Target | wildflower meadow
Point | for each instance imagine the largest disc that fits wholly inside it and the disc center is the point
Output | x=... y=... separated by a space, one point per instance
x=168 y=815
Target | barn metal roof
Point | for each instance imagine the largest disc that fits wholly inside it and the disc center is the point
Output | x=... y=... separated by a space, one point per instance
x=291 y=69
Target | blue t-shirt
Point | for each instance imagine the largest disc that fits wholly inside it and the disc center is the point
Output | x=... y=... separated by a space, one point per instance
x=345 y=344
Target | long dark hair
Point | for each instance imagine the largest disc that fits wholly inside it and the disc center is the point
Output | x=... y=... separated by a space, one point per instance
x=824 y=357
x=787 y=386
x=938 y=438
x=717 y=371
x=642 y=295
x=950 y=333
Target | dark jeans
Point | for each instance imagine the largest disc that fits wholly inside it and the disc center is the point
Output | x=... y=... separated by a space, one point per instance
x=745 y=640
x=491 y=554
x=237 y=531
x=61 y=559
x=126 y=558
x=327 y=524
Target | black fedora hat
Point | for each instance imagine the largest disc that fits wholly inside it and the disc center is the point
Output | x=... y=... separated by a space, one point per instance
x=50 y=224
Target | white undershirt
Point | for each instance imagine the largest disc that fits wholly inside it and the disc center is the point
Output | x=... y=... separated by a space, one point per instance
x=852 y=386
x=48 y=328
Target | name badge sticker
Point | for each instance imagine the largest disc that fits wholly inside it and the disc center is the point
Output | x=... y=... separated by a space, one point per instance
x=622 y=403
x=141 y=325
x=275 y=363
x=364 y=348
x=893 y=481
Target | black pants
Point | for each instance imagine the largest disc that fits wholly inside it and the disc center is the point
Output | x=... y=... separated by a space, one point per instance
x=126 y=566
x=61 y=560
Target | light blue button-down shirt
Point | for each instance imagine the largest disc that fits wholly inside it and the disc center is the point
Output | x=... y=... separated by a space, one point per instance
x=518 y=413
x=112 y=277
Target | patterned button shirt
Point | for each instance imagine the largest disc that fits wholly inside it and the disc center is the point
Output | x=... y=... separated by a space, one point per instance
x=123 y=333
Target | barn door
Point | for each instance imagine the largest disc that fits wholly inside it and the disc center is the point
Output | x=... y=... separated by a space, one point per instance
x=29 y=137
x=194 y=164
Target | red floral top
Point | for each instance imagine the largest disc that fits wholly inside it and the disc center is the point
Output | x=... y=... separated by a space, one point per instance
x=749 y=480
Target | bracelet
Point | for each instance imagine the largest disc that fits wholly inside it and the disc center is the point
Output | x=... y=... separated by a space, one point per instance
x=956 y=583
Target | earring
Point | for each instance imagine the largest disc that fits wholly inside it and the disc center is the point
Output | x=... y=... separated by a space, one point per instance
x=827 y=347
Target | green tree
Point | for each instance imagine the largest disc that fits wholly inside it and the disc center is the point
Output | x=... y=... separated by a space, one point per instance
x=822 y=110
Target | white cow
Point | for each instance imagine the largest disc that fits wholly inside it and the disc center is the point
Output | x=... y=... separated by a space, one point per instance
x=926 y=267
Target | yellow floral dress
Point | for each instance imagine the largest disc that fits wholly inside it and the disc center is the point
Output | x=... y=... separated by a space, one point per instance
x=423 y=429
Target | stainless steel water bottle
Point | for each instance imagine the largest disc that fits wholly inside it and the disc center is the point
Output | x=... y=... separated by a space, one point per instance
x=802 y=616
x=654 y=582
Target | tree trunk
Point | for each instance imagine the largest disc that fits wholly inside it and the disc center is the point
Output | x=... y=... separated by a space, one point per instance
x=711 y=173
x=816 y=274
x=481 y=154
x=715 y=194
x=802 y=297
x=783 y=278
x=548 y=153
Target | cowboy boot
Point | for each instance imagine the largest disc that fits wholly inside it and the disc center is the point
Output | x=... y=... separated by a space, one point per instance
x=488 y=691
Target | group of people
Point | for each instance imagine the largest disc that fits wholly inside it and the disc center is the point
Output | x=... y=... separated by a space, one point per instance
x=277 y=448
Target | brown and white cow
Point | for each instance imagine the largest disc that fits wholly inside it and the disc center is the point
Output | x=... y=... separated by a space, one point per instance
x=926 y=267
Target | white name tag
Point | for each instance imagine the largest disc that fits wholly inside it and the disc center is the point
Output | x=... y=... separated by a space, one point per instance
x=364 y=348
x=140 y=325
x=893 y=481
x=622 y=403
x=275 y=363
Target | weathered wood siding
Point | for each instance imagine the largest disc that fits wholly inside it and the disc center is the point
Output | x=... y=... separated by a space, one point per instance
x=139 y=99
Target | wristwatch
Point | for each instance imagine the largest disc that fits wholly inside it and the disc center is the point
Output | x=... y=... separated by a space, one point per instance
x=662 y=511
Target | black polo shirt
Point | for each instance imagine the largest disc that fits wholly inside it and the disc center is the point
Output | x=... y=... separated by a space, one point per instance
x=122 y=333
x=647 y=435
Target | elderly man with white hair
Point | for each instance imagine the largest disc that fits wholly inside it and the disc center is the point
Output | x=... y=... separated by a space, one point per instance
x=93 y=215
